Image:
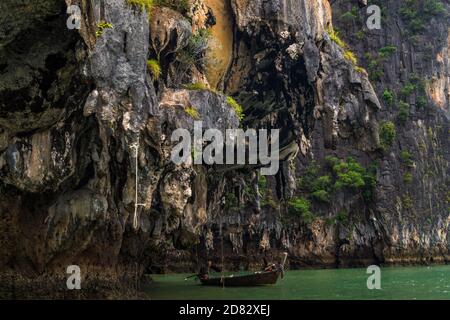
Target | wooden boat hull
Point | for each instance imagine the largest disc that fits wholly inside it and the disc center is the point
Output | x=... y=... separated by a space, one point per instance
x=249 y=280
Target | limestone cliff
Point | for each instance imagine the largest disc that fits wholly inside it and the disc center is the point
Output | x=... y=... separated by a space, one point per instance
x=86 y=117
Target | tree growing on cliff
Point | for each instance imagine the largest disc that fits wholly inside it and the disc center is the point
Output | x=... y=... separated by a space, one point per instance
x=388 y=97
x=387 y=134
x=403 y=112
x=349 y=174
x=199 y=43
x=301 y=207
x=194 y=54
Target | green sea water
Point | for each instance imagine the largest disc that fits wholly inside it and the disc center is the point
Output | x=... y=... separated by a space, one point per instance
x=338 y=284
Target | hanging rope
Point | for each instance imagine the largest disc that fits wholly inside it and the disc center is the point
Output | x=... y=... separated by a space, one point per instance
x=221 y=242
x=135 y=219
x=196 y=253
x=135 y=146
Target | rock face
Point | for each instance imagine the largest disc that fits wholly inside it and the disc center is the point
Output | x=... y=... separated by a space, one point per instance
x=412 y=183
x=86 y=175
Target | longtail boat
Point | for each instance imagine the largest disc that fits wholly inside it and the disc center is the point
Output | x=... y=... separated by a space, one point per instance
x=253 y=279
x=258 y=278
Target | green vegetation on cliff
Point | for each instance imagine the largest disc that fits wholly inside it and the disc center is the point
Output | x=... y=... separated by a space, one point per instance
x=154 y=68
x=417 y=13
x=388 y=97
x=101 y=26
x=196 y=86
x=348 y=54
x=348 y=174
x=231 y=202
x=301 y=207
x=407 y=177
x=340 y=174
x=406 y=158
x=181 y=6
x=236 y=107
x=387 y=134
x=387 y=51
x=143 y=4
x=351 y=175
x=195 y=52
x=319 y=184
x=403 y=111
x=192 y=112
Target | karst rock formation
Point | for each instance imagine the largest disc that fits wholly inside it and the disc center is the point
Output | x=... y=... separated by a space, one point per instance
x=86 y=176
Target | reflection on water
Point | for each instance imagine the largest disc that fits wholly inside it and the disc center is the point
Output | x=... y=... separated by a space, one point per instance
x=396 y=283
